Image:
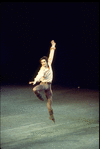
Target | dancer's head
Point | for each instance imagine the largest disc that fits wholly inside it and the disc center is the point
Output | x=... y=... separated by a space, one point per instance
x=44 y=61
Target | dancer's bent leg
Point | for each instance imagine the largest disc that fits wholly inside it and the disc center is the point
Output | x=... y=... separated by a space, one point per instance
x=37 y=90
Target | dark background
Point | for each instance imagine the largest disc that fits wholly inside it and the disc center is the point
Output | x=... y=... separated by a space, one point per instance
x=27 y=30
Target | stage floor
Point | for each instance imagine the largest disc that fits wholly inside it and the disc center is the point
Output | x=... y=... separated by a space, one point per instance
x=25 y=120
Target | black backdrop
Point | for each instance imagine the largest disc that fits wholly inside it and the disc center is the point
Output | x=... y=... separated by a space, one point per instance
x=27 y=29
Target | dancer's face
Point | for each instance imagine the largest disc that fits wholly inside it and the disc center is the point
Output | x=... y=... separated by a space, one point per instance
x=44 y=63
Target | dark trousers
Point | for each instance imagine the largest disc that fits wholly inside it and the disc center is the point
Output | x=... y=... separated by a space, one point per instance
x=48 y=93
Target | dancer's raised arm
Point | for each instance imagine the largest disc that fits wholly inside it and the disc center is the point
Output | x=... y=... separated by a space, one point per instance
x=52 y=50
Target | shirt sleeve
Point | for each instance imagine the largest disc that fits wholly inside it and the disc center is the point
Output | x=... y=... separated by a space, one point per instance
x=51 y=55
x=39 y=75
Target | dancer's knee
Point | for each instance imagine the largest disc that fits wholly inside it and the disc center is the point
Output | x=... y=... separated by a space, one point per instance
x=49 y=103
x=48 y=95
x=34 y=89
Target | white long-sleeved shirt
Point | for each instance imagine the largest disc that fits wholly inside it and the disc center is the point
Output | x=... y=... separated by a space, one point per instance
x=46 y=74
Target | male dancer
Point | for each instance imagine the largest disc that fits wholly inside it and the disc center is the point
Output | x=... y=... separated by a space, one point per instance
x=45 y=77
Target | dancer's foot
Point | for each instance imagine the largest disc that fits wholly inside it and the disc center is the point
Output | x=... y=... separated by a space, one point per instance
x=52 y=118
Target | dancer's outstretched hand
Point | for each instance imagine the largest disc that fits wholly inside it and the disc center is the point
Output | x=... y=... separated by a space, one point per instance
x=32 y=82
x=53 y=43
